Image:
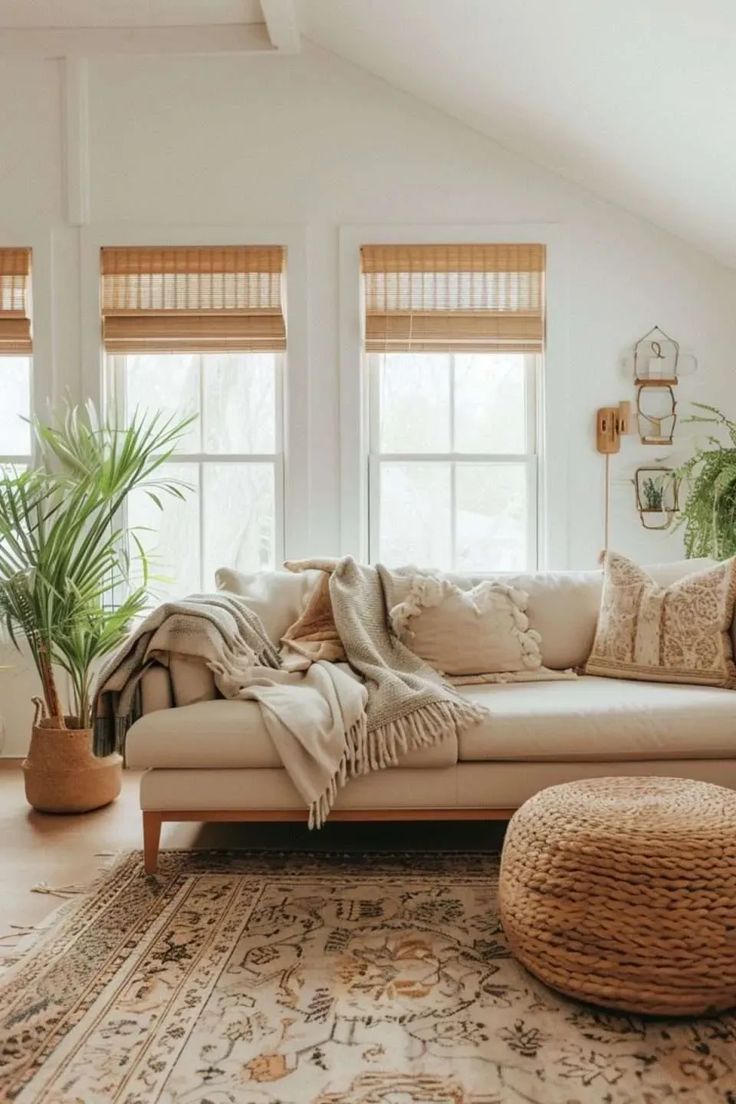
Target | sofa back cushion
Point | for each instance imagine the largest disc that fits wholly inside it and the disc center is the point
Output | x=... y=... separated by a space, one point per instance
x=563 y=606
x=278 y=597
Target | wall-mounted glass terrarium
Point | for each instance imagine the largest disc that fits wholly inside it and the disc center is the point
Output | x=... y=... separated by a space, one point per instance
x=656 y=413
x=656 y=359
x=657 y=496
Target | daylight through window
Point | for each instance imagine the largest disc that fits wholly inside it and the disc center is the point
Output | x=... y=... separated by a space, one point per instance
x=454 y=337
x=16 y=349
x=202 y=331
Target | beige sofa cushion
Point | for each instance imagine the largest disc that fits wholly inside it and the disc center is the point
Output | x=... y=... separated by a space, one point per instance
x=278 y=597
x=228 y=734
x=191 y=680
x=156 y=691
x=598 y=718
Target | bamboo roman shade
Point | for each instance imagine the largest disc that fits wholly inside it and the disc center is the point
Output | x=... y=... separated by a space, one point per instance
x=15 y=304
x=454 y=298
x=193 y=299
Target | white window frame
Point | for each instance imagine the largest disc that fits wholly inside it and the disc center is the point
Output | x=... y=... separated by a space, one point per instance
x=529 y=458
x=114 y=389
x=552 y=422
x=293 y=524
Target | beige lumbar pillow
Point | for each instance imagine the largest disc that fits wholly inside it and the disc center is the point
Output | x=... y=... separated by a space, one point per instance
x=678 y=633
x=467 y=632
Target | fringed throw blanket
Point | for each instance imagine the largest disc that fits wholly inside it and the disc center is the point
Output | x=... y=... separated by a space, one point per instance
x=331 y=721
x=409 y=705
x=219 y=629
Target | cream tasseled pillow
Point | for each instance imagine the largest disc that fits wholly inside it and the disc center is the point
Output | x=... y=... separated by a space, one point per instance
x=678 y=633
x=467 y=632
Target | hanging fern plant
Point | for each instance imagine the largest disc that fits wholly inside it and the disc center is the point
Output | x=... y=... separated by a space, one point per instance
x=709 y=513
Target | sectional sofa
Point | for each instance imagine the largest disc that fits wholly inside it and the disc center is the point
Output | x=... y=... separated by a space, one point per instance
x=205 y=758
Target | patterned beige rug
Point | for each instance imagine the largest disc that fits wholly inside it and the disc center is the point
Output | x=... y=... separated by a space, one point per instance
x=325 y=979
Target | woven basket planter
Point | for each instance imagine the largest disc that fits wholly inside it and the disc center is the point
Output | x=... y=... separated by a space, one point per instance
x=62 y=775
x=622 y=892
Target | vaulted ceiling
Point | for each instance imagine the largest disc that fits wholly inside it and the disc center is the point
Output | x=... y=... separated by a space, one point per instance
x=634 y=100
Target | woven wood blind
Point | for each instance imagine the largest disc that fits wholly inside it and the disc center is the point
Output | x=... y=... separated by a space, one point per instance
x=15 y=306
x=454 y=298
x=193 y=299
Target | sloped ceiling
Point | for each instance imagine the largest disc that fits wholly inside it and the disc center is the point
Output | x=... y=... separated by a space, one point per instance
x=633 y=99
x=127 y=13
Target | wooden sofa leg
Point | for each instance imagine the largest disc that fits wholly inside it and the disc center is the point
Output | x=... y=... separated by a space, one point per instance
x=151 y=839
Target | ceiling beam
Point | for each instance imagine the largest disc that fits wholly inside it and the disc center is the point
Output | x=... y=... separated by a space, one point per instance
x=282 y=24
x=58 y=42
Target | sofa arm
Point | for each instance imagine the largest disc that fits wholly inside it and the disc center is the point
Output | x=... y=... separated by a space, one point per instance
x=191 y=680
x=156 y=690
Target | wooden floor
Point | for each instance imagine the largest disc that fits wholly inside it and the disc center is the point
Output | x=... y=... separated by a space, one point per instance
x=64 y=850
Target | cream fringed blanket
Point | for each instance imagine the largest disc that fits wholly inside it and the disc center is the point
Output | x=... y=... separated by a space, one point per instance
x=329 y=722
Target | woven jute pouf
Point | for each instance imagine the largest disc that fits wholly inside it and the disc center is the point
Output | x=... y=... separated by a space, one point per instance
x=622 y=892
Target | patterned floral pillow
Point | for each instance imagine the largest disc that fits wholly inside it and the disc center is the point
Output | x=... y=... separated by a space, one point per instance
x=679 y=633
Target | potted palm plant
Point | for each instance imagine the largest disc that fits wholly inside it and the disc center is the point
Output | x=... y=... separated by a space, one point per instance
x=709 y=513
x=70 y=586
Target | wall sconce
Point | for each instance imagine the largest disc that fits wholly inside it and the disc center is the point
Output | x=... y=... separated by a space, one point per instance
x=612 y=423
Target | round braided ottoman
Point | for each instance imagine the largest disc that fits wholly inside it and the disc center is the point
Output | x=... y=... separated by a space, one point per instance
x=622 y=892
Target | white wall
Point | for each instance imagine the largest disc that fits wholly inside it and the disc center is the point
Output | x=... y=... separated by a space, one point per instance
x=310 y=141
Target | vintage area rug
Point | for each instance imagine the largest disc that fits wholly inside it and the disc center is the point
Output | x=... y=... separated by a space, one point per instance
x=326 y=979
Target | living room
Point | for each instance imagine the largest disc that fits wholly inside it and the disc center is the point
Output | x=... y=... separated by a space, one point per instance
x=381 y=328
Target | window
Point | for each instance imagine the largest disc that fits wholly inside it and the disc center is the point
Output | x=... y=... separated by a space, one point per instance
x=202 y=333
x=454 y=342
x=15 y=357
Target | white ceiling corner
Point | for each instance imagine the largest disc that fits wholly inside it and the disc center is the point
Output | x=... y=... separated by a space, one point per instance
x=282 y=23
x=633 y=99
x=46 y=14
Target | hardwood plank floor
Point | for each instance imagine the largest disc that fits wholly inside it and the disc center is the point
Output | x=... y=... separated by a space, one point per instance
x=64 y=850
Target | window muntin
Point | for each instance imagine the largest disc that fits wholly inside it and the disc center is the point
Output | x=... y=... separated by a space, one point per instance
x=453 y=465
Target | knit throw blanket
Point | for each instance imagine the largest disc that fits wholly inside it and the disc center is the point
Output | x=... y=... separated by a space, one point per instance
x=219 y=629
x=409 y=705
x=328 y=723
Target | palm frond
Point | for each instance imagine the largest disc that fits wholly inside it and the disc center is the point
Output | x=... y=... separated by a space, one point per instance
x=63 y=552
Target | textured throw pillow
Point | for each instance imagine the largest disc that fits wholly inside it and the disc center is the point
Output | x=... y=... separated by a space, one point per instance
x=678 y=633
x=467 y=632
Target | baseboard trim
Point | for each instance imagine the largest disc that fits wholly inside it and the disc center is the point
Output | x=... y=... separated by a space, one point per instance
x=11 y=762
